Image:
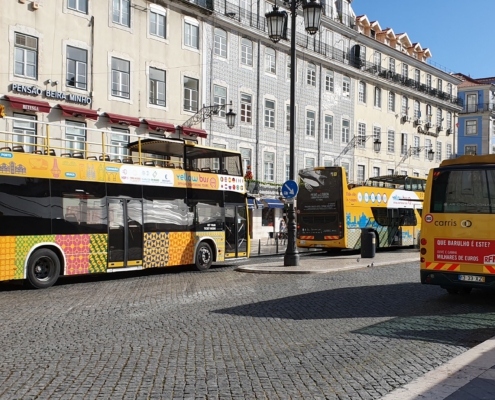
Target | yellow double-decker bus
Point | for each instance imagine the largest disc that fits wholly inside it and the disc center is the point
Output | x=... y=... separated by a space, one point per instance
x=331 y=214
x=72 y=208
x=458 y=240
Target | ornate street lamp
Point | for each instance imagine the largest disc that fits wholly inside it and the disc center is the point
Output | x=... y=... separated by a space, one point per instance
x=277 y=22
x=377 y=145
x=230 y=116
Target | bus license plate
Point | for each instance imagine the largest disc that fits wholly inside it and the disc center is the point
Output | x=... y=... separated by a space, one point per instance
x=472 y=278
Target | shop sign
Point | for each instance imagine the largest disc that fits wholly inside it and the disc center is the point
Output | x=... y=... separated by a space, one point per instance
x=50 y=94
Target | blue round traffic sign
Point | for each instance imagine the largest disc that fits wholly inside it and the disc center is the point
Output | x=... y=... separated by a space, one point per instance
x=290 y=189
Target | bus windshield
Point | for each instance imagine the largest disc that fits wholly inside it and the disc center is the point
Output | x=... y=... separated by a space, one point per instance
x=463 y=191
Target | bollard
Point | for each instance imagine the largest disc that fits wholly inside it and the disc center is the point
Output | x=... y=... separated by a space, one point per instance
x=276 y=243
x=259 y=246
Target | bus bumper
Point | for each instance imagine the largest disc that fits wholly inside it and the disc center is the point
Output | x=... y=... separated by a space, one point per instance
x=451 y=280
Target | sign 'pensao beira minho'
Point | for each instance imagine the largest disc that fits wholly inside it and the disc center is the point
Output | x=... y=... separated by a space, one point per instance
x=51 y=94
x=39 y=166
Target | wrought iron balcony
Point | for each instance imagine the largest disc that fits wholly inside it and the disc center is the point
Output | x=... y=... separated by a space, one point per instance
x=478 y=108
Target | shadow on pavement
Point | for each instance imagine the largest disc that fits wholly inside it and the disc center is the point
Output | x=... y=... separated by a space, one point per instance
x=409 y=310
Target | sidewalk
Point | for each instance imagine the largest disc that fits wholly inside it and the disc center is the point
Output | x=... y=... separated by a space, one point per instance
x=469 y=376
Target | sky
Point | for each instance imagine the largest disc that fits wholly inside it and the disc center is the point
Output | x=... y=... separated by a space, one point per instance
x=459 y=33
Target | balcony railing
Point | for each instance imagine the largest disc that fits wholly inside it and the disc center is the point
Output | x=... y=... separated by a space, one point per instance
x=258 y=22
x=478 y=108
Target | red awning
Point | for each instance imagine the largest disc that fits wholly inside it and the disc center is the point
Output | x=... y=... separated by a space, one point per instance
x=26 y=104
x=123 y=120
x=194 y=132
x=159 y=126
x=70 y=111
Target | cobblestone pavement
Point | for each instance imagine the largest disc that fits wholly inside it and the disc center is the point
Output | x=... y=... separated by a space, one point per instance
x=228 y=335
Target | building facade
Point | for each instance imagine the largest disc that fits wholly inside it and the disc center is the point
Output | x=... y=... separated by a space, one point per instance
x=476 y=132
x=147 y=67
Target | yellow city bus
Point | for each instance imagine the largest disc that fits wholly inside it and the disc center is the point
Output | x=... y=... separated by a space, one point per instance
x=457 y=242
x=331 y=213
x=72 y=208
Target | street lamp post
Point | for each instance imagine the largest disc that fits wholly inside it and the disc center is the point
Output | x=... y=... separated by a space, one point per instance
x=277 y=22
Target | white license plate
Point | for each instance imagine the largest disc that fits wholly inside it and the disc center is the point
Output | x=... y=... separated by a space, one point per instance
x=471 y=278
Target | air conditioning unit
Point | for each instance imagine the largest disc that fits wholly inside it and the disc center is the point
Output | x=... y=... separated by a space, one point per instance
x=35 y=5
x=417 y=122
x=420 y=129
x=428 y=125
x=448 y=132
x=439 y=128
x=406 y=118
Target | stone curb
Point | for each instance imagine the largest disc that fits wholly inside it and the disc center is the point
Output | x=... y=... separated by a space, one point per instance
x=272 y=269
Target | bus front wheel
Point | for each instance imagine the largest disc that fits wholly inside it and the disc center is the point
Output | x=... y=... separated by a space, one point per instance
x=43 y=269
x=204 y=257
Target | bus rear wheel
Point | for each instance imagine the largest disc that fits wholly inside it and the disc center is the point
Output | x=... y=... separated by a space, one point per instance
x=204 y=257
x=43 y=269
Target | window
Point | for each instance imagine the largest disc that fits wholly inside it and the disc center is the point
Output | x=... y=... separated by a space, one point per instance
x=361 y=139
x=449 y=120
x=428 y=113
x=378 y=97
x=157 y=87
x=346 y=86
x=405 y=70
x=345 y=130
x=360 y=173
x=391 y=101
x=377 y=134
x=405 y=106
x=377 y=59
x=309 y=162
x=471 y=127
x=77 y=63
x=376 y=171
x=448 y=151
x=220 y=98
x=269 y=114
x=78 y=5
x=25 y=132
x=438 y=153
x=390 y=171
x=270 y=61
x=246 y=52
x=428 y=147
x=26 y=56
x=417 y=111
x=417 y=75
x=428 y=81
x=287 y=167
x=329 y=81
x=288 y=69
x=119 y=142
x=220 y=47
x=121 y=12
x=191 y=86
x=311 y=75
x=403 y=144
x=439 y=85
x=246 y=108
x=328 y=127
x=246 y=158
x=310 y=123
x=439 y=117
x=391 y=65
x=470 y=149
x=391 y=141
x=157 y=23
x=327 y=163
x=449 y=89
x=191 y=35
x=287 y=118
x=120 y=78
x=416 y=141
x=75 y=136
x=269 y=166
x=362 y=92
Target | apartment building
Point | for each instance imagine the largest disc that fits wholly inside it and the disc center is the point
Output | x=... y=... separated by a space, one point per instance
x=476 y=132
x=133 y=68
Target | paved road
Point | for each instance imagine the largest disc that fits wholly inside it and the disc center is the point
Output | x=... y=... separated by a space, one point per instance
x=223 y=334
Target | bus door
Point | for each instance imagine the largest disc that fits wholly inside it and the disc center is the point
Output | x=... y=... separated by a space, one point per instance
x=236 y=231
x=125 y=233
x=395 y=228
